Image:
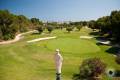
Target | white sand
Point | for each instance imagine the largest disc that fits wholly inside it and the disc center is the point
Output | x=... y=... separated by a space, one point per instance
x=104 y=42
x=40 y=39
x=86 y=37
x=17 y=38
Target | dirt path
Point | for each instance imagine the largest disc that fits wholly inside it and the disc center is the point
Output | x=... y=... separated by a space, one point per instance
x=17 y=38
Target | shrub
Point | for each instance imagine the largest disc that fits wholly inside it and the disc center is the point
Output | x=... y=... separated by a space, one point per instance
x=23 y=29
x=90 y=69
x=8 y=36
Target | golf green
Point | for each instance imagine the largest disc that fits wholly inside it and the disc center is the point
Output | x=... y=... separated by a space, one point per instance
x=70 y=45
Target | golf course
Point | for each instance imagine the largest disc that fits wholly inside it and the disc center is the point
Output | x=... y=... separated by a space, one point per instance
x=35 y=61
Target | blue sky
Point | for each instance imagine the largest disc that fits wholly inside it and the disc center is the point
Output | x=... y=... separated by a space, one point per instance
x=61 y=10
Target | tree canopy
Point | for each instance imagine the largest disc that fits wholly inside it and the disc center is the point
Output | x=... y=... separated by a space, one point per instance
x=11 y=24
x=108 y=25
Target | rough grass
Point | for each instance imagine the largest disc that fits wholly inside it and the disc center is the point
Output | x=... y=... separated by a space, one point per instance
x=34 y=61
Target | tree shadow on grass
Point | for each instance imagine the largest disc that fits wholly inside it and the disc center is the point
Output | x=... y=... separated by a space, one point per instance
x=117 y=73
x=113 y=50
x=99 y=44
x=94 y=33
x=103 y=41
x=37 y=33
x=76 y=76
x=100 y=38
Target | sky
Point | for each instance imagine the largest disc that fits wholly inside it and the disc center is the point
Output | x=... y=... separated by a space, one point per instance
x=61 y=10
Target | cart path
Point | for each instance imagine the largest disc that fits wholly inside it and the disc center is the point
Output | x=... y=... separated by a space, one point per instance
x=17 y=37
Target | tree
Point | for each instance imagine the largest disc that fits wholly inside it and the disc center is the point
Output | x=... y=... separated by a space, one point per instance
x=35 y=21
x=104 y=24
x=115 y=25
x=23 y=23
x=40 y=29
x=64 y=25
x=53 y=24
x=92 y=24
x=6 y=22
x=78 y=27
x=11 y=24
x=1 y=34
x=50 y=28
x=84 y=23
x=90 y=69
x=69 y=29
x=108 y=25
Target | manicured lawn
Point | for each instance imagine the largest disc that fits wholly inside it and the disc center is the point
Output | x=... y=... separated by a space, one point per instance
x=73 y=46
x=34 y=61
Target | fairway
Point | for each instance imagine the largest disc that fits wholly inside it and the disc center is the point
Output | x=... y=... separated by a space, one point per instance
x=60 y=40
x=34 y=61
x=69 y=45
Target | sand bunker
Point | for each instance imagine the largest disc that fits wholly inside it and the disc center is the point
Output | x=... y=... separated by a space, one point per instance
x=86 y=37
x=104 y=42
x=40 y=39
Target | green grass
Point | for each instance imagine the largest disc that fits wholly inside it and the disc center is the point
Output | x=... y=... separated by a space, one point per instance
x=73 y=46
x=34 y=61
